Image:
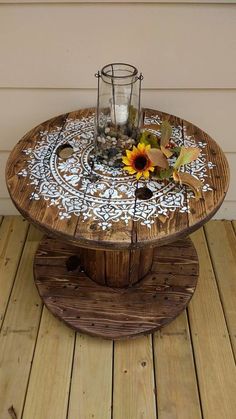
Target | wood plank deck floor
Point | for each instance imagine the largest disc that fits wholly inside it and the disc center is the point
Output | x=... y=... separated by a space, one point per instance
x=185 y=371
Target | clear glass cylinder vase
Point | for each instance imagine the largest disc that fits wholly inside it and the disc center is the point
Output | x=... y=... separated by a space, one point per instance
x=118 y=112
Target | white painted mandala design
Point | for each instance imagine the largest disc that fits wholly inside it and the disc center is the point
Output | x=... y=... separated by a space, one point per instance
x=98 y=192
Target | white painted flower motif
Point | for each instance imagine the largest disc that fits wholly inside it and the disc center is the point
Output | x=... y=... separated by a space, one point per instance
x=104 y=225
x=185 y=208
x=206 y=187
x=28 y=151
x=148 y=223
x=111 y=196
x=72 y=179
x=35 y=196
x=23 y=173
x=66 y=165
x=211 y=165
x=201 y=144
x=35 y=182
x=64 y=215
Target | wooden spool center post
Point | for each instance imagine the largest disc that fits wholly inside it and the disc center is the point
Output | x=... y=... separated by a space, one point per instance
x=116 y=268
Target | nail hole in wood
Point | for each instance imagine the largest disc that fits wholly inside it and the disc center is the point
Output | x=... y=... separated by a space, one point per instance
x=143 y=193
x=72 y=263
x=65 y=151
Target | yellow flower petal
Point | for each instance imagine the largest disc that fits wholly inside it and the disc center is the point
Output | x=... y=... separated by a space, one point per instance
x=125 y=160
x=151 y=168
x=130 y=170
x=128 y=153
x=146 y=174
x=138 y=176
x=135 y=151
x=141 y=146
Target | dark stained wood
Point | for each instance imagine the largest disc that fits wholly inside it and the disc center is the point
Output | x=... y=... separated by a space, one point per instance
x=118 y=268
x=87 y=233
x=218 y=182
x=94 y=263
x=116 y=313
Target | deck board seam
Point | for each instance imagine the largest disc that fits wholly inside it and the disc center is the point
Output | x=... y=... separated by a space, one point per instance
x=154 y=370
x=32 y=361
x=71 y=375
x=219 y=294
x=112 y=379
x=232 y=223
x=15 y=275
x=195 y=364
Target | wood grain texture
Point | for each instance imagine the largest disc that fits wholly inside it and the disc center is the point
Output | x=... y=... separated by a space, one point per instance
x=177 y=392
x=227 y=210
x=12 y=238
x=87 y=233
x=116 y=313
x=224 y=263
x=134 y=388
x=212 y=349
x=19 y=332
x=116 y=268
x=172 y=348
x=91 y=398
x=51 y=371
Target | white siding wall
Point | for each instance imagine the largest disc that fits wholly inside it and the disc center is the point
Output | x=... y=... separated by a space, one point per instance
x=49 y=52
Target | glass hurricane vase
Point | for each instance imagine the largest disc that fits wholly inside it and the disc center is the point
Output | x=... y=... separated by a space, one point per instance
x=118 y=112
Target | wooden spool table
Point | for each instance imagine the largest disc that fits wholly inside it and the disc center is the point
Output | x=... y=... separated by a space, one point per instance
x=113 y=264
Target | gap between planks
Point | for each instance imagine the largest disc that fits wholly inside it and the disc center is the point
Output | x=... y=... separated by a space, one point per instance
x=70 y=367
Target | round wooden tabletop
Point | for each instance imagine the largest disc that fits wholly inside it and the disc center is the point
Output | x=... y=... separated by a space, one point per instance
x=53 y=184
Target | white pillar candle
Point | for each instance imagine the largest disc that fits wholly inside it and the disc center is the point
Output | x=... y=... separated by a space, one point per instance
x=121 y=114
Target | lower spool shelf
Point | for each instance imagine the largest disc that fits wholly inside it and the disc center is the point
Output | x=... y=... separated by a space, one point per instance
x=116 y=313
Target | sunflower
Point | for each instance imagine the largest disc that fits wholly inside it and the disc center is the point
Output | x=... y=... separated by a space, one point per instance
x=137 y=161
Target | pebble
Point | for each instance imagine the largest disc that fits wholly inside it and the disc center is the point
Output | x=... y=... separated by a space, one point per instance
x=111 y=148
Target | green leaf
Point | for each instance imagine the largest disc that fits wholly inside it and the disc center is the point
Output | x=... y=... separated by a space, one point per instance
x=166 y=173
x=148 y=138
x=187 y=155
x=166 y=131
x=176 y=150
